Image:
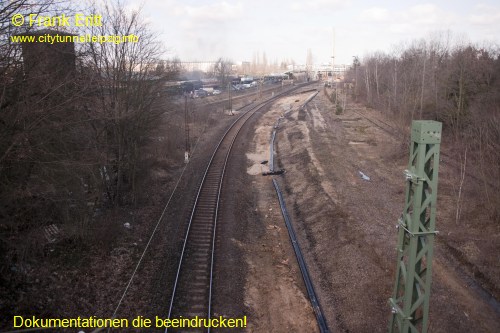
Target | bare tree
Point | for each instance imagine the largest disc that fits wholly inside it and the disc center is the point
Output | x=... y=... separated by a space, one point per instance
x=67 y=139
x=46 y=157
x=130 y=86
x=222 y=70
x=309 y=62
x=456 y=83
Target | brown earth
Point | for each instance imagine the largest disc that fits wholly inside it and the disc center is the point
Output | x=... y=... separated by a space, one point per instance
x=346 y=225
x=273 y=290
x=86 y=276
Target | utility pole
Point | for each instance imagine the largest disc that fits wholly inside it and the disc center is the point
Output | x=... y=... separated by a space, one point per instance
x=186 y=129
x=333 y=57
x=356 y=65
x=417 y=228
x=336 y=95
x=345 y=97
x=396 y=84
x=333 y=70
x=230 y=100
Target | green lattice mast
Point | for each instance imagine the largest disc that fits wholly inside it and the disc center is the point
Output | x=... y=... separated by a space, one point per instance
x=417 y=228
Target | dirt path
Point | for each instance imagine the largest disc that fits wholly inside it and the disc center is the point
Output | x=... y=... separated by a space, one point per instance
x=346 y=225
x=274 y=292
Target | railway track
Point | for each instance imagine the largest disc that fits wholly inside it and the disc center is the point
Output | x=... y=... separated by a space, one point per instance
x=237 y=95
x=389 y=129
x=446 y=159
x=192 y=289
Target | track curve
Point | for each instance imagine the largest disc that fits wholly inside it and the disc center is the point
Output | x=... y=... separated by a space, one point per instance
x=192 y=288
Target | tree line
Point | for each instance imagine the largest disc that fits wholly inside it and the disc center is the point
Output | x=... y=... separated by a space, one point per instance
x=447 y=79
x=71 y=135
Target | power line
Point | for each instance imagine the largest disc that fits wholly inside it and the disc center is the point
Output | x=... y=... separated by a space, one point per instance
x=149 y=242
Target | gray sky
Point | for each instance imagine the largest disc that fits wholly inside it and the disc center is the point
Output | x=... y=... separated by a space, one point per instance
x=284 y=29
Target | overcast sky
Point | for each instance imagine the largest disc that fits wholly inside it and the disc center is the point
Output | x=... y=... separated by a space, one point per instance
x=204 y=30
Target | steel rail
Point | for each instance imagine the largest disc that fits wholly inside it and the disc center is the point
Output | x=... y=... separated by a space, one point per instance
x=204 y=212
x=195 y=205
x=395 y=132
x=392 y=131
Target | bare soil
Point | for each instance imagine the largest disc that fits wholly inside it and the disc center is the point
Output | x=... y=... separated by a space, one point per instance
x=86 y=276
x=346 y=225
x=274 y=291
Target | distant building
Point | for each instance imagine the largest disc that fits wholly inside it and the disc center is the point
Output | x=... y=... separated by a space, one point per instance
x=325 y=70
x=246 y=67
x=47 y=65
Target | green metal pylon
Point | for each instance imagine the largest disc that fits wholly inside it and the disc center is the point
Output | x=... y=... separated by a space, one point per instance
x=417 y=228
